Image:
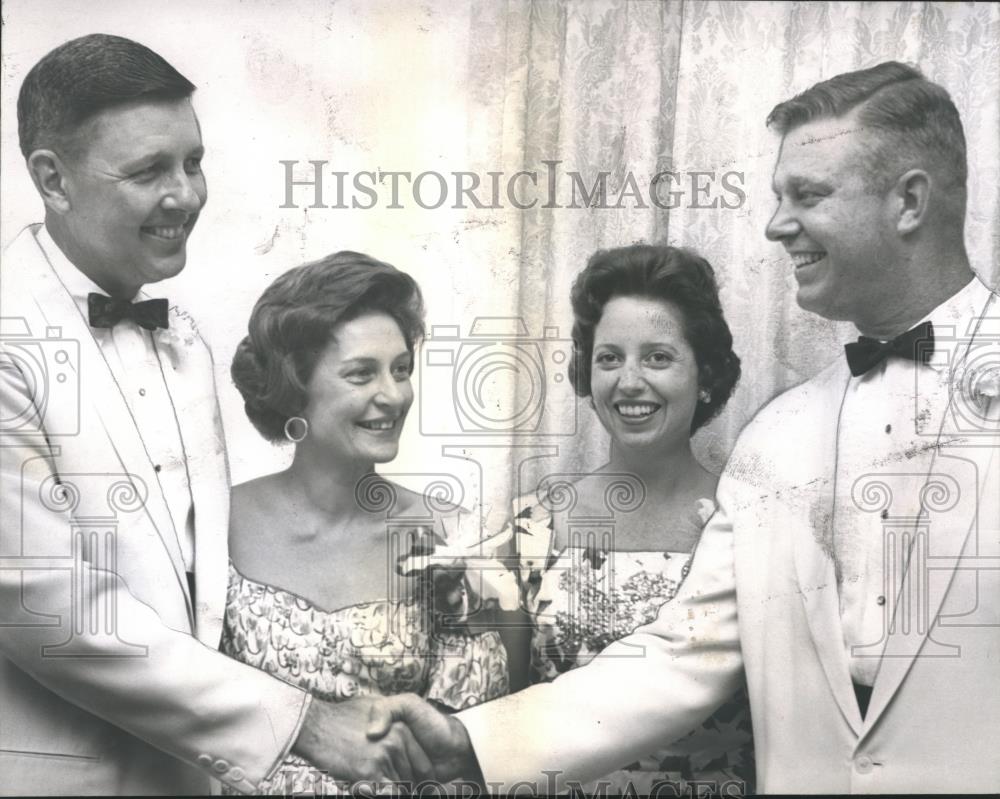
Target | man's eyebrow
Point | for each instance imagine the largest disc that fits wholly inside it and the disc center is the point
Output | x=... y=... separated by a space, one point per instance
x=146 y=158
x=152 y=156
x=800 y=182
x=812 y=183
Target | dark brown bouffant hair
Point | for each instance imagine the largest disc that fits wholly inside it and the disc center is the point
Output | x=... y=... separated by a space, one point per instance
x=293 y=322
x=79 y=79
x=668 y=274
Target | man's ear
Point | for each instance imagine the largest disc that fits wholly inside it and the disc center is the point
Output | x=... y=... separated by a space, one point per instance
x=48 y=172
x=913 y=190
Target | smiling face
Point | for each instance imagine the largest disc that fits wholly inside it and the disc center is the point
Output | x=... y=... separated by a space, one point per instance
x=360 y=392
x=838 y=232
x=644 y=376
x=134 y=193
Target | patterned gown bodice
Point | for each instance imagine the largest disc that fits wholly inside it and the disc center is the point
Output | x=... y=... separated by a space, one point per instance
x=588 y=598
x=375 y=648
x=584 y=597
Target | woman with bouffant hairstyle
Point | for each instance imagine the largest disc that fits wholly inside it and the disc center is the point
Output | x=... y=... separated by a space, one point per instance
x=673 y=275
x=292 y=322
x=326 y=367
x=653 y=353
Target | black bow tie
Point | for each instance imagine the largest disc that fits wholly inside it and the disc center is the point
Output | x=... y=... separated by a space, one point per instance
x=107 y=312
x=866 y=353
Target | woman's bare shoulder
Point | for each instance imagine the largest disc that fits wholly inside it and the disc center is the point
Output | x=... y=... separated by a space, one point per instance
x=252 y=507
x=253 y=493
x=407 y=502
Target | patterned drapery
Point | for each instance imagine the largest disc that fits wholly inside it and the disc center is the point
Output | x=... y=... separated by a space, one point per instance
x=576 y=91
x=632 y=87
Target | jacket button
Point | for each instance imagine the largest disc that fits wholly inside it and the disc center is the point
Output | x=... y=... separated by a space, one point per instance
x=220 y=766
x=864 y=765
x=236 y=773
x=204 y=760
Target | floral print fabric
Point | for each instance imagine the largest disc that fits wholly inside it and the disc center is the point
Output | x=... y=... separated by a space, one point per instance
x=376 y=648
x=584 y=597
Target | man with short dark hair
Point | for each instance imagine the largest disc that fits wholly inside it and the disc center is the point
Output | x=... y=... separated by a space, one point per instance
x=851 y=570
x=114 y=492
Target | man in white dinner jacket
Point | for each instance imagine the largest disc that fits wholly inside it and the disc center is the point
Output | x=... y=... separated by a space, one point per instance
x=852 y=570
x=113 y=475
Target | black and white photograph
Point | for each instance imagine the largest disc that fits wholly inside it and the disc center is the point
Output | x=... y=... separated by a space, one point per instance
x=499 y=397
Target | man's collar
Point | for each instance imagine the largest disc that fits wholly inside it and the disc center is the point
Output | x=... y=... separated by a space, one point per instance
x=951 y=322
x=952 y=317
x=75 y=281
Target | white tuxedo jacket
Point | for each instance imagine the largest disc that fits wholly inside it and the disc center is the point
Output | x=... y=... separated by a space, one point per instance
x=762 y=596
x=110 y=678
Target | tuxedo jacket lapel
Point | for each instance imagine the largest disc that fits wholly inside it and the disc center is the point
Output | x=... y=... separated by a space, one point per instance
x=99 y=388
x=811 y=518
x=952 y=516
x=188 y=372
x=818 y=588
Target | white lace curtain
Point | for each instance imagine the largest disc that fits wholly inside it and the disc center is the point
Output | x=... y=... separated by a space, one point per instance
x=641 y=87
x=630 y=88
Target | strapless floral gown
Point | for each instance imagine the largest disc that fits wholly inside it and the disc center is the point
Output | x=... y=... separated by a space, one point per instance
x=377 y=648
x=584 y=597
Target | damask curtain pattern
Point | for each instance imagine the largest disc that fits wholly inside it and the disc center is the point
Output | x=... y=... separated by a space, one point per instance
x=631 y=89
x=592 y=97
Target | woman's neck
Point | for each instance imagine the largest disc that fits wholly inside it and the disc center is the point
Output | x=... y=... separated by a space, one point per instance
x=662 y=473
x=324 y=485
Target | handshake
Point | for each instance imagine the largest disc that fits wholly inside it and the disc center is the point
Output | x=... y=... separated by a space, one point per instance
x=379 y=739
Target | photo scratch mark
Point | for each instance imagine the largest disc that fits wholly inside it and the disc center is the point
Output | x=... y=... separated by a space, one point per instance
x=266 y=247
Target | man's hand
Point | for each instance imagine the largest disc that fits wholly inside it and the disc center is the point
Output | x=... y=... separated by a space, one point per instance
x=442 y=738
x=333 y=739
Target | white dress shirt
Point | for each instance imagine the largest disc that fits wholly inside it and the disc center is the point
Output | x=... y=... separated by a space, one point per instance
x=880 y=446
x=137 y=360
